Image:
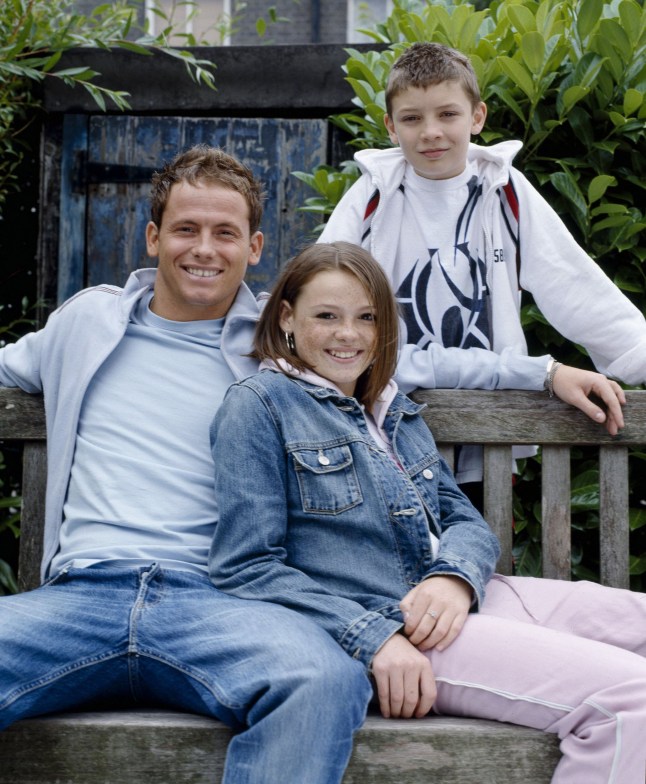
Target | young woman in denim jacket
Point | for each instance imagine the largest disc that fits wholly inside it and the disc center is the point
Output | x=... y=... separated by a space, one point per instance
x=335 y=502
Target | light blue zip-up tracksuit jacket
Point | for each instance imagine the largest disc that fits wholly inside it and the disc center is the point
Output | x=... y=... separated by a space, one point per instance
x=61 y=359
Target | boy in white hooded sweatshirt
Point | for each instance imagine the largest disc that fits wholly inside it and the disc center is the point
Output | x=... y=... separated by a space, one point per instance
x=460 y=233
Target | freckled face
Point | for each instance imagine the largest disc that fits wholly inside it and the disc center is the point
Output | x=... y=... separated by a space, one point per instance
x=333 y=323
x=203 y=247
x=433 y=126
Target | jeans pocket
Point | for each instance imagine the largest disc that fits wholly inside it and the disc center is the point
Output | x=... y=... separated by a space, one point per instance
x=327 y=479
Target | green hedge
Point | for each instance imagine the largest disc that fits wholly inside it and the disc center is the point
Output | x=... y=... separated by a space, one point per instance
x=567 y=78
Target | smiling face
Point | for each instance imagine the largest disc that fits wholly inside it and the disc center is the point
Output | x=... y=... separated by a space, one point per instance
x=433 y=126
x=203 y=247
x=333 y=324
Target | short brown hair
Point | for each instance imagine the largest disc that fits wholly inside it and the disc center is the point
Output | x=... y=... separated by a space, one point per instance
x=270 y=342
x=203 y=163
x=425 y=64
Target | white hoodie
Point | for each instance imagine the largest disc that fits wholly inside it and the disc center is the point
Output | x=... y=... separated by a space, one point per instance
x=570 y=289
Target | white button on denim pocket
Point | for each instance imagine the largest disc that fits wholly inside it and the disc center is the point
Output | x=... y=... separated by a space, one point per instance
x=427 y=473
x=323 y=460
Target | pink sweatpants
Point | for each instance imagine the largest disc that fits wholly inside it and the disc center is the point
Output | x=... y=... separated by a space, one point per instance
x=568 y=658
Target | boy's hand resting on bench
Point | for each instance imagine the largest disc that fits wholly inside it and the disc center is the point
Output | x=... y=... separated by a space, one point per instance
x=574 y=386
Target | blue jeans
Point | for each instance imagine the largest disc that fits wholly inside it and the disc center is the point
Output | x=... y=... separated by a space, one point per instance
x=106 y=636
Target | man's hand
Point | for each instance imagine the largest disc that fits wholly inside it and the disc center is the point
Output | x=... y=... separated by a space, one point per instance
x=574 y=386
x=404 y=680
x=435 y=611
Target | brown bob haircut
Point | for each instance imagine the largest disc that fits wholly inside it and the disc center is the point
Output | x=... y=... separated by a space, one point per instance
x=211 y=165
x=270 y=341
x=424 y=64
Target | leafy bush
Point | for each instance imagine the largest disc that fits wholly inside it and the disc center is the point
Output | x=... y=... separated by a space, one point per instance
x=567 y=77
x=33 y=36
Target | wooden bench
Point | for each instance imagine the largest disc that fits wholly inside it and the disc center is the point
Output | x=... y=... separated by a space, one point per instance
x=155 y=746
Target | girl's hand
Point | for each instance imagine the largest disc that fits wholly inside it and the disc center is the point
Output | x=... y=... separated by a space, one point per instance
x=435 y=611
x=574 y=386
x=404 y=680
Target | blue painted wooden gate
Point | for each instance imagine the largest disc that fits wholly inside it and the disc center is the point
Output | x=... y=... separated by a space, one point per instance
x=107 y=162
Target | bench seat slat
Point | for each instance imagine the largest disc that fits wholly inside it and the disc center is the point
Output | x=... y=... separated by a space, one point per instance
x=149 y=747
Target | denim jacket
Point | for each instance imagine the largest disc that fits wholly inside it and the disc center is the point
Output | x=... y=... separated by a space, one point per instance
x=315 y=516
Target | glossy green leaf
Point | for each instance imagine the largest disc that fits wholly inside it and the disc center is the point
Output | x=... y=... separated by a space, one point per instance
x=588 y=16
x=587 y=69
x=532 y=48
x=609 y=209
x=572 y=96
x=626 y=283
x=633 y=100
x=7 y=578
x=361 y=89
x=637 y=518
x=518 y=74
x=612 y=31
x=522 y=18
x=568 y=187
x=611 y=222
x=599 y=185
x=618 y=120
x=508 y=100
x=632 y=19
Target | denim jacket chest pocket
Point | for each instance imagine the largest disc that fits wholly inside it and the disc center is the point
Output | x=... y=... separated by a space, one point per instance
x=327 y=479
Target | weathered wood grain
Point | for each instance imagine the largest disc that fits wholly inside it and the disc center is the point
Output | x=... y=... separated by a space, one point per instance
x=613 y=514
x=498 y=500
x=557 y=549
x=34 y=480
x=155 y=747
x=513 y=417
x=21 y=415
x=107 y=164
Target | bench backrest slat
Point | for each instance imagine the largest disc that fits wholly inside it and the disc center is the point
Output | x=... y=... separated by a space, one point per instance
x=497 y=500
x=555 y=507
x=34 y=479
x=614 y=532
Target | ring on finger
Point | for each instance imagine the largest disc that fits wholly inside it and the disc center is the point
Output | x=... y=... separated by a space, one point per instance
x=432 y=613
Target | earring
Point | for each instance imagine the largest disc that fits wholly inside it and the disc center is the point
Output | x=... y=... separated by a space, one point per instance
x=289 y=339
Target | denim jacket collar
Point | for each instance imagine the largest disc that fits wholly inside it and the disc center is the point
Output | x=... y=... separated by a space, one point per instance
x=322 y=389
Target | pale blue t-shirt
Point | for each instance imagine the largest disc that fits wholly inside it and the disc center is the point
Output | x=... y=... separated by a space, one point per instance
x=141 y=485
